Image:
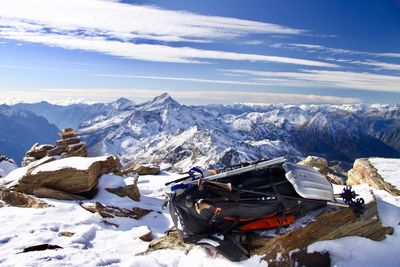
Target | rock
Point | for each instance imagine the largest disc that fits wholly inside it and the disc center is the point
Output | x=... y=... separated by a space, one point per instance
x=364 y=172
x=38 y=151
x=69 y=146
x=17 y=199
x=40 y=248
x=111 y=211
x=331 y=224
x=72 y=175
x=67 y=133
x=56 y=194
x=68 y=141
x=313 y=161
x=66 y=234
x=335 y=178
x=131 y=191
x=58 y=150
x=77 y=150
x=171 y=240
x=143 y=233
x=146 y=169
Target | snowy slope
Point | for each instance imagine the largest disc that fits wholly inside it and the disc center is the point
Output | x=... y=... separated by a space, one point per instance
x=98 y=244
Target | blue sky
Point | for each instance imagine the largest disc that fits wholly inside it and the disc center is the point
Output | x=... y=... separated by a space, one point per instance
x=200 y=51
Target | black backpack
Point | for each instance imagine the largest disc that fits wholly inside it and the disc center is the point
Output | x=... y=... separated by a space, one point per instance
x=213 y=211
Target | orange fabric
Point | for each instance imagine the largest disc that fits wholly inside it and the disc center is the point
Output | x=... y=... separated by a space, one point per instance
x=268 y=223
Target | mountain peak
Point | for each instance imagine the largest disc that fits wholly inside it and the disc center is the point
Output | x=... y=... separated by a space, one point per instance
x=122 y=103
x=160 y=101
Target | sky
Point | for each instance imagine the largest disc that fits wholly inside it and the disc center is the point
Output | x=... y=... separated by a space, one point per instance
x=208 y=51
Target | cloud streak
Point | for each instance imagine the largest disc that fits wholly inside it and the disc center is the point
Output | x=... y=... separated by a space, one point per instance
x=188 y=96
x=326 y=79
x=124 y=30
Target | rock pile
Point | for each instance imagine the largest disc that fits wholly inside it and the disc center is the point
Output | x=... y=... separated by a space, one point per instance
x=69 y=145
x=364 y=171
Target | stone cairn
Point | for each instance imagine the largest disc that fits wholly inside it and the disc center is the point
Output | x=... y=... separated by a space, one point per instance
x=69 y=145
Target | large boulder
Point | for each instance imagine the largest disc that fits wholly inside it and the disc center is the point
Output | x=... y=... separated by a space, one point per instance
x=366 y=170
x=71 y=175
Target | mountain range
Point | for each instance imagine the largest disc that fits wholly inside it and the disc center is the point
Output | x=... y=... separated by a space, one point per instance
x=175 y=136
x=20 y=129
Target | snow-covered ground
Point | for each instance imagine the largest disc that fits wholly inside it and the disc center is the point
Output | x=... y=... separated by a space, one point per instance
x=98 y=244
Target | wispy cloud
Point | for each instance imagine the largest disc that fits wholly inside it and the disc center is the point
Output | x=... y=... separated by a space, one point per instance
x=326 y=79
x=149 y=52
x=127 y=21
x=187 y=96
x=335 y=51
x=119 y=29
x=3 y=66
x=184 y=79
x=381 y=65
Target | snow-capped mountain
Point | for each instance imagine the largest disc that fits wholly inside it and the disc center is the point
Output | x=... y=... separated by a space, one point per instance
x=162 y=131
x=64 y=116
x=20 y=129
x=165 y=132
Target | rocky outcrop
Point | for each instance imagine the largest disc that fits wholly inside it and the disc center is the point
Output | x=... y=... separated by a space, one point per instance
x=111 y=211
x=330 y=224
x=69 y=145
x=17 y=199
x=364 y=172
x=144 y=169
x=313 y=161
x=61 y=178
x=342 y=223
